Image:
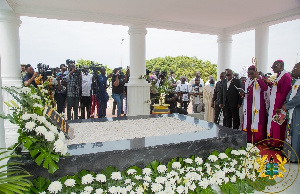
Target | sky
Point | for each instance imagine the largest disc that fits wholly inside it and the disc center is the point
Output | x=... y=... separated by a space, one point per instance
x=52 y=41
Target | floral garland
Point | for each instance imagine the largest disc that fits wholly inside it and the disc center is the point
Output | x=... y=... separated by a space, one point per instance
x=39 y=136
x=234 y=171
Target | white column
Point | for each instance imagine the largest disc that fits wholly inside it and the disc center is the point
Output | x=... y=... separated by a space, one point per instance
x=261 y=47
x=224 y=52
x=2 y=130
x=10 y=59
x=138 y=90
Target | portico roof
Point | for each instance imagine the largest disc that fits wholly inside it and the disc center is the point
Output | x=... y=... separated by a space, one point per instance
x=201 y=16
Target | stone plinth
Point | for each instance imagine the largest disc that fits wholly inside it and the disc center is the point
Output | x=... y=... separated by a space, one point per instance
x=125 y=153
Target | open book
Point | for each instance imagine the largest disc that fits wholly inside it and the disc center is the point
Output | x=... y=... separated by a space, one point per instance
x=240 y=89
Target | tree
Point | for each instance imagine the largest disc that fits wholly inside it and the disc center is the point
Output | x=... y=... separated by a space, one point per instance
x=183 y=66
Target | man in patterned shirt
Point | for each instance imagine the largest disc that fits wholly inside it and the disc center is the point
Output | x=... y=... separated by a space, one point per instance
x=73 y=80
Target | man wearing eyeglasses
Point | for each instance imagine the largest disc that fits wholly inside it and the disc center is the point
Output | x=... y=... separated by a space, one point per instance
x=254 y=107
x=280 y=89
x=231 y=101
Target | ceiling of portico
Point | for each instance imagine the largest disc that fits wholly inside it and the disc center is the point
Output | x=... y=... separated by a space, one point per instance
x=201 y=16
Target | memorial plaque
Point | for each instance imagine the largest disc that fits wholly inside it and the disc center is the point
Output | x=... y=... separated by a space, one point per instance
x=59 y=122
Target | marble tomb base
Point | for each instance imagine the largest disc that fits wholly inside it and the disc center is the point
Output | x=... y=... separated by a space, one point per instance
x=140 y=151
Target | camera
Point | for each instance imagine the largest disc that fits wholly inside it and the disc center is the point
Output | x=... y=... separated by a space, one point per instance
x=95 y=67
x=69 y=61
x=44 y=70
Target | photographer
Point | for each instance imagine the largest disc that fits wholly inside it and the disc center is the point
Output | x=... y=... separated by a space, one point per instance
x=30 y=76
x=118 y=80
x=102 y=95
x=86 y=100
x=73 y=80
x=60 y=93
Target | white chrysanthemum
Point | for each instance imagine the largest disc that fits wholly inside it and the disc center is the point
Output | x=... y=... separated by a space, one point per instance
x=156 y=187
x=37 y=105
x=101 y=178
x=222 y=156
x=128 y=188
x=204 y=183
x=199 y=161
x=218 y=166
x=44 y=91
x=87 y=179
x=243 y=152
x=140 y=190
x=33 y=116
x=61 y=135
x=26 y=90
x=44 y=192
x=55 y=187
x=131 y=171
x=147 y=178
x=49 y=136
x=127 y=181
x=70 y=183
x=47 y=124
x=176 y=165
x=116 y=176
x=162 y=168
x=233 y=179
x=112 y=189
x=160 y=179
x=30 y=125
x=88 y=189
x=34 y=96
x=138 y=177
x=41 y=119
x=59 y=145
x=212 y=158
x=180 y=189
x=188 y=161
x=26 y=116
x=53 y=128
x=41 y=130
x=147 y=171
x=99 y=191
x=235 y=152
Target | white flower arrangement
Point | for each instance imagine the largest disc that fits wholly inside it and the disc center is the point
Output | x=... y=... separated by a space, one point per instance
x=190 y=174
x=55 y=187
x=70 y=182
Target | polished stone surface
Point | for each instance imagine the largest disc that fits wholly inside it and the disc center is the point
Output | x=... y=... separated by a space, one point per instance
x=140 y=151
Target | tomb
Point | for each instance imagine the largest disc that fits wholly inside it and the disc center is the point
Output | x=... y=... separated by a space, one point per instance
x=122 y=154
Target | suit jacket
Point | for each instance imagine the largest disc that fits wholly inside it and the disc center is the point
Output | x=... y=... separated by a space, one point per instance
x=217 y=98
x=232 y=94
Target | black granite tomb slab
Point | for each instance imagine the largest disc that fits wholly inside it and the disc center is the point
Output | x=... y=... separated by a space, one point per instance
x=140 y=151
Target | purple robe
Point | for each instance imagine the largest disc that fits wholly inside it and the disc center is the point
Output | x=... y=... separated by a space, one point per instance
x=277 y=131
x=262 y=124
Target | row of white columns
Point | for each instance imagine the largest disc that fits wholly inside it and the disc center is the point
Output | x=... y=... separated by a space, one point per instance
x=138 y=89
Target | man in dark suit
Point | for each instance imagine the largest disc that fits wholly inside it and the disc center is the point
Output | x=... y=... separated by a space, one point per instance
x=231 y=101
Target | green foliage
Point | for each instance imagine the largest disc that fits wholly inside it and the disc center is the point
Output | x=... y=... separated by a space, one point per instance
x=29 y=108
x=183 y=66
x=13 y=179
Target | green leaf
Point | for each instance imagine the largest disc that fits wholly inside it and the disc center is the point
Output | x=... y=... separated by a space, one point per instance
x=7 y=104
x=40 y=184
x=216 y=153
x=34 y=152
x=230 y=188
x=14 y=103
x=40 y=158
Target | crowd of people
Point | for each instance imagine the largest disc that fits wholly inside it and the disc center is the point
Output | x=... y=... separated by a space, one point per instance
x=261 y=107
x=83 y=90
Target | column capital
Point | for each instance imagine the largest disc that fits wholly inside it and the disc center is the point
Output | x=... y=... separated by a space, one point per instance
x=224 y=38
x=137 y=29
x=9 y=16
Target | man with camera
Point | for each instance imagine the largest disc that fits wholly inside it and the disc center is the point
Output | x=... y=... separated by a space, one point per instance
x=102 y=95
x=73 y=80
x=29 y=78
x=118 y=82
x=86 y=100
